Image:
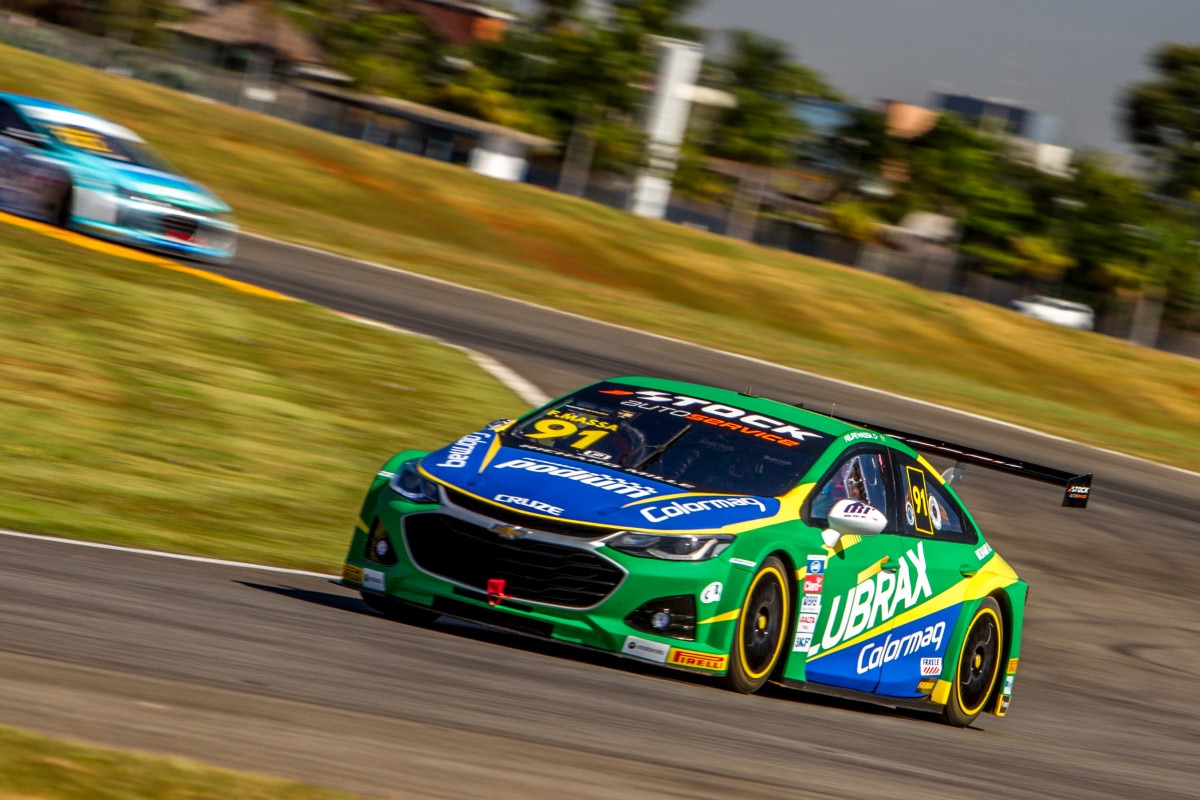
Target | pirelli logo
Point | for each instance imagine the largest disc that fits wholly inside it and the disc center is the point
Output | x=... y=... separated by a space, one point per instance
x=686 y=658
x=352 y=574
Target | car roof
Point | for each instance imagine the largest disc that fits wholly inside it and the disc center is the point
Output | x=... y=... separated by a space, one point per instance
x=785 y=412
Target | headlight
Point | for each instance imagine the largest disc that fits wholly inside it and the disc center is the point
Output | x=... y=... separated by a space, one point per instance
x=409 y=484
x=670 y=548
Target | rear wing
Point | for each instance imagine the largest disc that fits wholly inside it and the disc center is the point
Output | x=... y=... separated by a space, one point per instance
x=1078 y=488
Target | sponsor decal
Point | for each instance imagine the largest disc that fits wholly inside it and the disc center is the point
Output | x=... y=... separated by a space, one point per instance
x=741 y=562
x=460 y=452
x=859 y=511
x=700 y=410
x=1005 y=702
x=609 y=483
x=1012 y=665
x=807 y=623
x=816 y=564
x=352 y=574
x=1008 y=685
x=677 y=509
x=983 y=551
x=810 y=604
x=688 y=658
x=926 y=686
x=935 y=513
x=644 y=648
x=917 y=505
x=373 y=579
x=803 y=642
x=874 y=655
x=931 y=666
x=532 y=505
x=813 y=585
x=711 y=593
x=877 y=599
x=857 y=435
x=581 y=419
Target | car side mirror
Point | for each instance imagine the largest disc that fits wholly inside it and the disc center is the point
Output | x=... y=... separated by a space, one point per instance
x=853 y=518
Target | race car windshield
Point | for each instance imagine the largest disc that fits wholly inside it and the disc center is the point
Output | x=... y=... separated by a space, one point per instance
x=105 y=143
x=653 y=433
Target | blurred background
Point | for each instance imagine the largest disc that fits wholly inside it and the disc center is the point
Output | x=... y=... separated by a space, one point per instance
x=634 y=104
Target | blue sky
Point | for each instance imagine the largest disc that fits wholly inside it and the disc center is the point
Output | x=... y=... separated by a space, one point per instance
x=1067 y=58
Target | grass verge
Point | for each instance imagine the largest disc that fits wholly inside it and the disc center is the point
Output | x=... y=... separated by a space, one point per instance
x=155 y=409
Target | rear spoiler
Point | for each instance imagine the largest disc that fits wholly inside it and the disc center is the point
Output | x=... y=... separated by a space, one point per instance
x=1078 y=488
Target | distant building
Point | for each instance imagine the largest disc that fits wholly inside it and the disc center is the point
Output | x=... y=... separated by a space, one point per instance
x=1000 y=116
x=252 y=37
x=907 y=121
x=457 y=23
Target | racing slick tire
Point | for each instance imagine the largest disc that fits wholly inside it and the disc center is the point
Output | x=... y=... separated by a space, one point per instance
x=62 y=208
x=398 y=610
x=978 y=666
x=762 y=627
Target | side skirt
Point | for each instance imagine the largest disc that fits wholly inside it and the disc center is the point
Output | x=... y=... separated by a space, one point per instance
x=914 y=703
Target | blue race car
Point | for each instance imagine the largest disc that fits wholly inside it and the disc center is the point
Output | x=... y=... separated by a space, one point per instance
x=83 y=172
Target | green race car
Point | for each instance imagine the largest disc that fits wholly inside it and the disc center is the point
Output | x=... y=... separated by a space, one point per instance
x=712 y=531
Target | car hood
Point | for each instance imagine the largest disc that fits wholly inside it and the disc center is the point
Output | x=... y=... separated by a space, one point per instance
x=544 y=484
x=165 y=187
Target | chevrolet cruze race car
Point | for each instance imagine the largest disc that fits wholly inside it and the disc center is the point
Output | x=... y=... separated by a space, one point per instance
x=712 y=531
x=80 y=171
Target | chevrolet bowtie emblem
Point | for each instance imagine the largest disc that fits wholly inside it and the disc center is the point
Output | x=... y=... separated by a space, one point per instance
x=508 y=532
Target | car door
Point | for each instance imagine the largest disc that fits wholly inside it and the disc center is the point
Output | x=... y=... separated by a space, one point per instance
x=850 y=591
x=937 y=540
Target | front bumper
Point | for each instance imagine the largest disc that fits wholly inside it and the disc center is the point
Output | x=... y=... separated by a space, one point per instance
x=569 y=588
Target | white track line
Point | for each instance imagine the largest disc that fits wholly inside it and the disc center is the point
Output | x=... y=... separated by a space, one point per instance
x=161 y=554
x=517 y=383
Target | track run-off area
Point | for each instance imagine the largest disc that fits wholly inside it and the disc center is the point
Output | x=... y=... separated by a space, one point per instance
x=287 y=673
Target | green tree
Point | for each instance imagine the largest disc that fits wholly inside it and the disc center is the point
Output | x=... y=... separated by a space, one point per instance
x=392 y=54
x=759 y=73
x=1162 y=118
x=953 y=170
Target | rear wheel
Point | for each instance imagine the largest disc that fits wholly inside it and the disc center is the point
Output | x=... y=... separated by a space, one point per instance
x=978 y=666
x=761 y=629
x=399 y=610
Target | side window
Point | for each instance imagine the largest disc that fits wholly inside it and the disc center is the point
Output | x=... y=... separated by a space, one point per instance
x=863 y=475
x=929 y=511
x=11 y=120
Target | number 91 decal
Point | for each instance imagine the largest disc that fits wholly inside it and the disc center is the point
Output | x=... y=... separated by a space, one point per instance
x=560 y=428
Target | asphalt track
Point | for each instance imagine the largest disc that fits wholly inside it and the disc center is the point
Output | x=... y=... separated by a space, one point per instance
x=289 y=674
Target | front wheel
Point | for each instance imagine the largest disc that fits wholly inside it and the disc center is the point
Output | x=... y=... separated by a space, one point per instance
x=761 y=629
x=978 y=666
